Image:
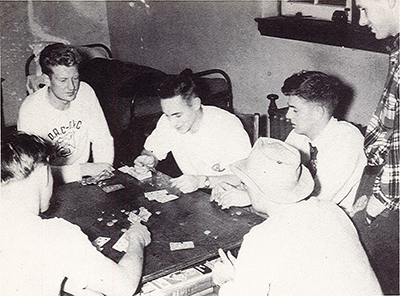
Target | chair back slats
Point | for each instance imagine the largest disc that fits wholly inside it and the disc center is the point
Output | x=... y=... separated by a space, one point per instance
x=278 y=126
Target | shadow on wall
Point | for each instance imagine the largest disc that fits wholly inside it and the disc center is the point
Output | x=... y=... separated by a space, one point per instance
x=345 y=101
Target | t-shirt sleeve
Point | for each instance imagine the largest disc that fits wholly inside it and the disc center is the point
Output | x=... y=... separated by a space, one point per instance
x=27 y=119
x=159 y=141
x=235 y=141
x=79 y=256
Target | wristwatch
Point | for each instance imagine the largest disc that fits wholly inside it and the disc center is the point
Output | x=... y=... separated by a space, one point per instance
x=207 y=182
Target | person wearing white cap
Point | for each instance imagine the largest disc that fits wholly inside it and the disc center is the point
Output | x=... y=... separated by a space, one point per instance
x=307 y=246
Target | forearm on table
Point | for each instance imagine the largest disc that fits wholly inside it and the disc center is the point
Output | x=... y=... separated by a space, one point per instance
x=111 y=278
x=132 y=264
x=215 y=180
x=67 y=173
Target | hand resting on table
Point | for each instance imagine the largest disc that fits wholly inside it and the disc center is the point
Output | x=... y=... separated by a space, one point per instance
x=227 y=195
x=93 y=169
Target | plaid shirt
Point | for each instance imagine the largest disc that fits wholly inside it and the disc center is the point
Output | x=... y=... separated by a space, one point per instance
x=382 y=138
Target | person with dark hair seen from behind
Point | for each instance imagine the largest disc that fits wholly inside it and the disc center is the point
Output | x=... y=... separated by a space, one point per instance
x=67 y=114
x=331 y=149
x=204 y=140
x=47 y=257
x=377 y=201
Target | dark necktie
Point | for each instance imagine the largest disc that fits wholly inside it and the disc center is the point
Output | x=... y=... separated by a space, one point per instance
x=313 y=160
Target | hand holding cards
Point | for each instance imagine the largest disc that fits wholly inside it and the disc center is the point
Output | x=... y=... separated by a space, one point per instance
x=132 y=171
x=137 y=234
x=93 y=180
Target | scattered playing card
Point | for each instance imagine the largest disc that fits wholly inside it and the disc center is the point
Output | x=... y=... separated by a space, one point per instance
x=166 y=198
x=144 y=214
x=152 y=195
x=122 y=244
x=112 y=188
x=100 y=242
x=181 y=245
x=161 y=196
x=124 y=169
x=133 y=217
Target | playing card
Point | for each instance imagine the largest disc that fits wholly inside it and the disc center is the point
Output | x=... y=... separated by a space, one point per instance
x=166 y=198
x=181 y=245
x=122 y=244
x=152 y=195
x=100 y=241
x=138 y=176
x=112 y=188
x=124 y=169
x=133 y=217
x=144 y=214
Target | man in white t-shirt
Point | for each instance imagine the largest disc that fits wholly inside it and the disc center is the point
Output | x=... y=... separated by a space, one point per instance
x=332 y=149
x=67 y=114
x=204 y=140
x=41 y=257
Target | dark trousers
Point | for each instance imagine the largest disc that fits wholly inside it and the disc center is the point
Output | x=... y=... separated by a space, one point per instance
x=380 y=239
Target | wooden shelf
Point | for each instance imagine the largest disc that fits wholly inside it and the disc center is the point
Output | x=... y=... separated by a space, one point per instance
x=321 y=31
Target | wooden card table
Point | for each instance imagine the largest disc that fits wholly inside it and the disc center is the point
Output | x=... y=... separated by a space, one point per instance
x=191 y=217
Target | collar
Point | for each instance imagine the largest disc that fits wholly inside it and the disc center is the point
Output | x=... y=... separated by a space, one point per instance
x=332 y=122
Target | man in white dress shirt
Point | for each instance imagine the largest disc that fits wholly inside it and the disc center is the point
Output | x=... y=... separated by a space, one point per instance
x=331 y=149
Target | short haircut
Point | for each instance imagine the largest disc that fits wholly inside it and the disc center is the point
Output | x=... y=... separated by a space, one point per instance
x=21 y=154
x=180 y=85
x=58 y=54
x=316 y=87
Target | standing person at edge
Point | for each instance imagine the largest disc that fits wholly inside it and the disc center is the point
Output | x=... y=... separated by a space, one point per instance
x=382 y=137
x=331 y=149
x=67 y=114
x=43 y=257
x=204 y=140
x=378 y=199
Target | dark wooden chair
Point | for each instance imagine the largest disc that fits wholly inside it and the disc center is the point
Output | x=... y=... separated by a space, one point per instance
x=278 y=126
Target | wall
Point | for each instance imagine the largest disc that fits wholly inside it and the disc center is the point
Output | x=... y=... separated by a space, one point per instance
x=174 y=35
x=27 y=24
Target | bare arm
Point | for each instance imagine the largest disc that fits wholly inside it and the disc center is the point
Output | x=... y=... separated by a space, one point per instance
x=123 y=278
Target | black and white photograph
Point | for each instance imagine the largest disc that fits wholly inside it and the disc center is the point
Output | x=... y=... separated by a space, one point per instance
x=199 y=147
